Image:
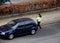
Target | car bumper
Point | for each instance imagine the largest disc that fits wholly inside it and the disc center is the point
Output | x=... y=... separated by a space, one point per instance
x=3 y=36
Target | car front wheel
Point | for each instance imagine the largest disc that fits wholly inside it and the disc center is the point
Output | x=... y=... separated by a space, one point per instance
x=11 y=36
x=33 y=32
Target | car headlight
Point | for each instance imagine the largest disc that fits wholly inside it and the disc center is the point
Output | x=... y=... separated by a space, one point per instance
x=3 y=33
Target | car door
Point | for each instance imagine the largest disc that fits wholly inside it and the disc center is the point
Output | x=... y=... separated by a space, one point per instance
x=20 y=28
x=28 y=26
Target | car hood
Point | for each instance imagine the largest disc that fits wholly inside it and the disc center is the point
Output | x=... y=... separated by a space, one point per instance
x=4 y=28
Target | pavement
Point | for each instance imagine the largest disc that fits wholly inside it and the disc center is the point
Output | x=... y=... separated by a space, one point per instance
x=50 y=32
x=47 y=17
x=20 y=1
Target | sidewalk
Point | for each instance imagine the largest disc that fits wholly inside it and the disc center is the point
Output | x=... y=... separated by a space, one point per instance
x=20 y=1
x=47 y=17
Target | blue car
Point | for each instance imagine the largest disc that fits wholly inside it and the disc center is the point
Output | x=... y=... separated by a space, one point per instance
x=18 y=27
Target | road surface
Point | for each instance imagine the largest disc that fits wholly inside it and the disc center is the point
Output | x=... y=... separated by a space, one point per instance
x=50 y=33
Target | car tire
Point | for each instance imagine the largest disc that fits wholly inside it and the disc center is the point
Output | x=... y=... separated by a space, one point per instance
x=33 y=32
x=11 y=36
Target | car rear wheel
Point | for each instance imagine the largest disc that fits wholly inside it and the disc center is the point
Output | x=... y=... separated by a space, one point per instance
x=11 y=36
x=33 y=32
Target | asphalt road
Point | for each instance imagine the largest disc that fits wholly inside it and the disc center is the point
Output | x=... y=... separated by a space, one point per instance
x=49 y=33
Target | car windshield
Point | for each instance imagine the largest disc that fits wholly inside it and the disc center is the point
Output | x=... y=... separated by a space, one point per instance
x=11 y=24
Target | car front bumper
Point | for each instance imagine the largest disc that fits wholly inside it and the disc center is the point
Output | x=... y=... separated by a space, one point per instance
x=3 y=36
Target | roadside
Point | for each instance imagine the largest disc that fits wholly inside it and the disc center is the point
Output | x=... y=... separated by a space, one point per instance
x=47 y=17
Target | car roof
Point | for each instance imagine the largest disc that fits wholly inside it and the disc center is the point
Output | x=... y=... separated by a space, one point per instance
x=23 y=19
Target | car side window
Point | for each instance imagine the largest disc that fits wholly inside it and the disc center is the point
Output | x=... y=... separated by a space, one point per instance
x=21 y=25
x=28 y=24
